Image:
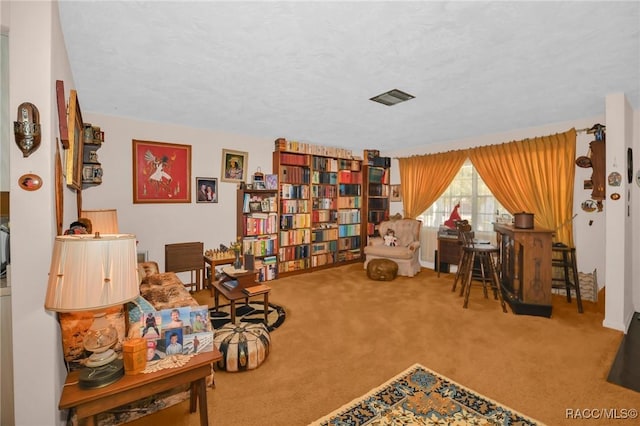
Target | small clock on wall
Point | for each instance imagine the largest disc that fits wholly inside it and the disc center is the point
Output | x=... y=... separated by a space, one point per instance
x=629 y=165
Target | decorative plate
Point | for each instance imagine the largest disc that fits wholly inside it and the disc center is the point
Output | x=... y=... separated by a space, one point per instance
x=583 y=161
x=614 y=179
x=589 y=206
x=615 y=196
x=30 y=182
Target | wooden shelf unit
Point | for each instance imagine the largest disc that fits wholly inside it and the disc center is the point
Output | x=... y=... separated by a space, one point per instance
x=376 y=191
x=257 y=225
x=320 y=201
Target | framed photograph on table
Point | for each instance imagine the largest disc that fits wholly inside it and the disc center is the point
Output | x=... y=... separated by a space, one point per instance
x=161 y=172
x=234 y=166
x=206 y=190
x=74 y=152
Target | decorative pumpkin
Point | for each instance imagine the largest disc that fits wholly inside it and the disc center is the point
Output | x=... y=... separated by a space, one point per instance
x=244 y=346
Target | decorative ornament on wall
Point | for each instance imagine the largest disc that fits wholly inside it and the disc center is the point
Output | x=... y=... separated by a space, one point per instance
x=27 y=128
x=614 y=179
x=30 y=182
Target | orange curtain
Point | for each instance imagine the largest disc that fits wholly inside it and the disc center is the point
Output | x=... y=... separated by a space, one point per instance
x=534 y=176
x=424 y=178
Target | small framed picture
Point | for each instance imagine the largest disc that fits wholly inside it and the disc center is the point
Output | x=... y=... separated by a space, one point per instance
x=255 y=206
x=396 y=193
x=207 y=190
x=259 y=185
x=271 y=181
x=234 y=166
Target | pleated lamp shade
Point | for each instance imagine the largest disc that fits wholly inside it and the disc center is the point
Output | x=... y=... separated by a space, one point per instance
x=102 y=221
x=89 y=273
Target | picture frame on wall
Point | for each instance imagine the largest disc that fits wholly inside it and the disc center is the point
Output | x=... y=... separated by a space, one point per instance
x=396 y=193
x=161 y=172
x=74 y=152
x=206 y=190
x=234 y=166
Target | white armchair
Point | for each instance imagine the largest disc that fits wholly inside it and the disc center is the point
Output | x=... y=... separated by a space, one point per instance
x=404 y=253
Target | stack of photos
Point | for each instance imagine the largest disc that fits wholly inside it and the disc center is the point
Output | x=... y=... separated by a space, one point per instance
x=184 y=330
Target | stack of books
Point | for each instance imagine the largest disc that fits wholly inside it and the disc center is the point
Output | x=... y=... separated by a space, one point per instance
x=256 y=289
x=230 y=284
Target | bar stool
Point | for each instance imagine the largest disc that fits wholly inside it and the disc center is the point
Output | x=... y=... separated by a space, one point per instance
x=461 y=226
x=564 y=257
x=488 y=273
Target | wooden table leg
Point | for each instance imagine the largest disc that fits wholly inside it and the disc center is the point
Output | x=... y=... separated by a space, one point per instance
x=266 y=308
x=202 y=401
x=216 y=298
x=193 y=396
x=233 y=311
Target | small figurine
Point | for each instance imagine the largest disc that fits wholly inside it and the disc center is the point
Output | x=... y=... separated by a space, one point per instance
x=390 y=238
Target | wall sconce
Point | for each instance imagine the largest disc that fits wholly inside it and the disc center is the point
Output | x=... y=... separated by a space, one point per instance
x=27 y=128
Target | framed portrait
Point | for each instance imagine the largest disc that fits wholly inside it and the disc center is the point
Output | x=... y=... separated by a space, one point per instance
x=234 y=166
x=206 y=190
x=161 y=172
x=74 y=152
x=396 y=194
x=255 y=206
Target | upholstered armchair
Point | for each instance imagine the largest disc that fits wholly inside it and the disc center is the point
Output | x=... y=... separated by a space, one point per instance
x=404 y=253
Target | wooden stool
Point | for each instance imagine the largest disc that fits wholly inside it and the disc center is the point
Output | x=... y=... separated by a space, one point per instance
x=488 y=272
x=564 y=257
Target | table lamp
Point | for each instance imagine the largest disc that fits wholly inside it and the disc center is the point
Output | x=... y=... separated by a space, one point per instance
x=102 y=221
x=92 y=273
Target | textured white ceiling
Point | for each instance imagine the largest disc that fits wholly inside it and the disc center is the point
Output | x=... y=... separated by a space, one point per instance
x=306 y=70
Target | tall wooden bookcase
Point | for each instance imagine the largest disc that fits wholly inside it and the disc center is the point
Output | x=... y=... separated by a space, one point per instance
x=376 y=191
x=320 y=198
x=258 y=227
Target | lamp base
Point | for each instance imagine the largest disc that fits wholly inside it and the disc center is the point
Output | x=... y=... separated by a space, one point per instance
x=92 y=378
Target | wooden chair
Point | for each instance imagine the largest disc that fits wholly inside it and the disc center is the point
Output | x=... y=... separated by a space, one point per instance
x=186 y=257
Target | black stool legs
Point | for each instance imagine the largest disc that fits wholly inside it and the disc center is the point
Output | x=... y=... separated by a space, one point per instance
x=565 y=257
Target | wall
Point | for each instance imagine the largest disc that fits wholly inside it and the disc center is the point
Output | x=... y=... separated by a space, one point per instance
x=37 y=58
x=158 y=224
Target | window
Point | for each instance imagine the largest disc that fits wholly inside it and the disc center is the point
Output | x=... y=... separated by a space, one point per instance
x=477 y=205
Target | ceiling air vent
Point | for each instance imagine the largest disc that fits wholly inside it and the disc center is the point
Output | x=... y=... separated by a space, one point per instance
x=392 y=97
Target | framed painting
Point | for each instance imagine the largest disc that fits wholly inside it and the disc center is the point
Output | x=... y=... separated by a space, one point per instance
x=206 y=190
x=62 y=114
x=74 y=152
x=161 y=172
x=396 y=194
x=234 y=166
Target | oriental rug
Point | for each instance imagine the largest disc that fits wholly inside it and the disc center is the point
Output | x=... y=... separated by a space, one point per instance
x=419 y=396
x=251 y=313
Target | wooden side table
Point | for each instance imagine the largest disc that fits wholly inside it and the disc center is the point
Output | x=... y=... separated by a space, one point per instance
x=90 y=402
x=245 y=279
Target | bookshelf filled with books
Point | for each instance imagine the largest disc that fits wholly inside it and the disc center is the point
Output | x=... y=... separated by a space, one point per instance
x=376 y=191
x=320 y=192
x=258 y=228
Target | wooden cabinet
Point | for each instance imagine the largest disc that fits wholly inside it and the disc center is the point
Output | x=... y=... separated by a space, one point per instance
x=258 y=227
x=525 y=268
x=320 y=198
x=449 y=252
x=376 y=191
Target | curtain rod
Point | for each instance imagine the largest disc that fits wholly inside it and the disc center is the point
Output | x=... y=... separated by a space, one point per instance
x=591 y=129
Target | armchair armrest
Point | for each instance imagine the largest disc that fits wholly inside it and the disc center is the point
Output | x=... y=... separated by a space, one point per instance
x=414 y=245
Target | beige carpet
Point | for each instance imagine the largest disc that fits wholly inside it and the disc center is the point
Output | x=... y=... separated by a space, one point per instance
x=345 y=334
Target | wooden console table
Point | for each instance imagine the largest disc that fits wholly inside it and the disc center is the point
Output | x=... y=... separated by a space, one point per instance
x=525 y=268
x=90 y=402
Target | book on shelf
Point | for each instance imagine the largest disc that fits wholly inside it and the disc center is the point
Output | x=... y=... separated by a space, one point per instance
x=256 y=289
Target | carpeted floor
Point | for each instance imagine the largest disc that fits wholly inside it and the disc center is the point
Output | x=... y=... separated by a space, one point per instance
x=345 y=334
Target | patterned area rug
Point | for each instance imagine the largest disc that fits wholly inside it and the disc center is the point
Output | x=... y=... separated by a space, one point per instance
x=419 y=396
x=251 y=313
